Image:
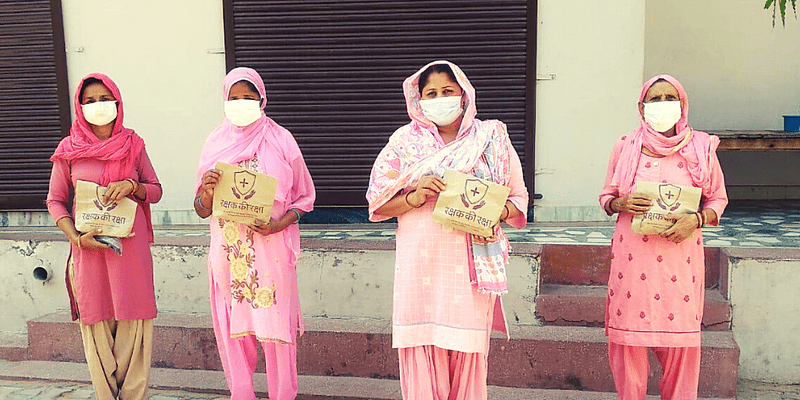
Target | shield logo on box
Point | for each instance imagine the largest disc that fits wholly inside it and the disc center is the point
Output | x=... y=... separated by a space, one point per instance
x=243 y=182
x=475 y=190
x=669 y=193
x=98 y=202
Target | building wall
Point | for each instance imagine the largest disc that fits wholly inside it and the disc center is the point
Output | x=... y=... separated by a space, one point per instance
x=168 y=60
x=740 y=74
x=739 y=71
x=596 y=51
x=333 y=284
x=764 y=299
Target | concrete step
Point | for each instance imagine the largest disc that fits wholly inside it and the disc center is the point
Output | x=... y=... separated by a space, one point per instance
x=545 y=357
x=13 y=347
x=589 y=265
x=182 y=383
x=585 y=306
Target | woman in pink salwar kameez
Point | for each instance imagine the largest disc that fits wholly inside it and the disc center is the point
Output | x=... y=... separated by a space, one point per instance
x=252 y=268
x=447 y=283
x=656 y=285
x=111 y=294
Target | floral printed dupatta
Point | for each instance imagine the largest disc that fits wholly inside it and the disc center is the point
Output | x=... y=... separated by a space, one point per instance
x=481 y=148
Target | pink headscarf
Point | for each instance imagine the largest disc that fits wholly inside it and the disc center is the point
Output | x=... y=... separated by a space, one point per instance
x=413 y=96
x=416 y=144
x=231 y=144
x=694 y=146
x=119 y=151
x=481 y=148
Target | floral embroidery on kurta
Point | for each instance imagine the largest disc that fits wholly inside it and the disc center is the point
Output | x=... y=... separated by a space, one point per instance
x=245 y=284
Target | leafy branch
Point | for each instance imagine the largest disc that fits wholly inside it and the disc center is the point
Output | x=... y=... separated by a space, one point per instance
x=780 y=4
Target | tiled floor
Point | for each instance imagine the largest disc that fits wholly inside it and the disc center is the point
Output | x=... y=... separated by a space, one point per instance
x=748 y=226
x=745 y=226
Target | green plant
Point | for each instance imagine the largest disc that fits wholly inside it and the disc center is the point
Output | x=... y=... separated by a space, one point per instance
x=776 y=4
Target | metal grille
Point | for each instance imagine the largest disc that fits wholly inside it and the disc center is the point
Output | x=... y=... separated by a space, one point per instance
x=334 y=72
x=34 y=111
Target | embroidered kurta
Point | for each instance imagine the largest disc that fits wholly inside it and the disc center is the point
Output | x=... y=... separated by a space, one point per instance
x=256 y=273
x=109 y=285
x=434 y=301
x=656 y=287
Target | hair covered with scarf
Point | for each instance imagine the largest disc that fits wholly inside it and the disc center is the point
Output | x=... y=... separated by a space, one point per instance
x=413 y=149
x=697 y=148
x=119 y=151
x=481 y=148
x=231 y=144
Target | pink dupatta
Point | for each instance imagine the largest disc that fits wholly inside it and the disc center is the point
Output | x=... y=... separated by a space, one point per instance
x=119 y=151
x=231 y=144
x=481 y=148
x=694 y=146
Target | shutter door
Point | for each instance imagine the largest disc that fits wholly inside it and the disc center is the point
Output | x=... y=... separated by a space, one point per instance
x=334 y=72
x=34 y=104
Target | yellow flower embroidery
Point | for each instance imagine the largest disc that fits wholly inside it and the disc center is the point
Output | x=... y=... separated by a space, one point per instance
x=265 y=297
x=239 y=269
x=230 y=232
x=248 y=294
x=244 y=250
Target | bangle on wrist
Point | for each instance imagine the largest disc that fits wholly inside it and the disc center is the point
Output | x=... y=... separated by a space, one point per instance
x=409 y=203
x=702 y=219
x=297 y=214
x=134 y=184
x=79 y=241
x=198 y=200
x=508 y=212
x=699 y=220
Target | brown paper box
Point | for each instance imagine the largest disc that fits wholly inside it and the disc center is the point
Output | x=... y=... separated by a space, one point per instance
x=115 y=218
x=470 y=204
x=243 y=195
x=667 y=199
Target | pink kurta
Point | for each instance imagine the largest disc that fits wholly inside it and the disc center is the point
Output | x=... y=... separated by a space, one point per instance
x=109 y=285
x=434 y=301
x=656 y=287
x=257 y=274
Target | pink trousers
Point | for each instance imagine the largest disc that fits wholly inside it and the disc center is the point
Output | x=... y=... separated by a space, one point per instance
x=630 y=367
x=239 y=358
x=433 y=373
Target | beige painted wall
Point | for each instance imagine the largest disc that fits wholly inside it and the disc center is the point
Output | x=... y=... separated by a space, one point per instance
x=332 y=284
x=739 y=71
x=166 y=57
x=596 y=51
x=765 y=304
x=160 y=54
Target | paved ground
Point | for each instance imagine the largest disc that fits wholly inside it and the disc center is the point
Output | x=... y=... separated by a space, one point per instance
x=47 y=390
x=45 y=380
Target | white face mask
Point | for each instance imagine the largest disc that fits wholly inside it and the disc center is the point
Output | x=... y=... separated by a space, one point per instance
x=442 y=111
x=243 y=112
x=100 y=113
x=662 y=115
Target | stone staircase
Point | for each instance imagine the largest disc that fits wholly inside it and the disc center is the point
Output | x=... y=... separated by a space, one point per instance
x=572 y=295
x=568 y=351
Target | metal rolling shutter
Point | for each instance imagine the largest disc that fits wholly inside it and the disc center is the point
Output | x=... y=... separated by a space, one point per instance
x=334 y=72
x=34 y=103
